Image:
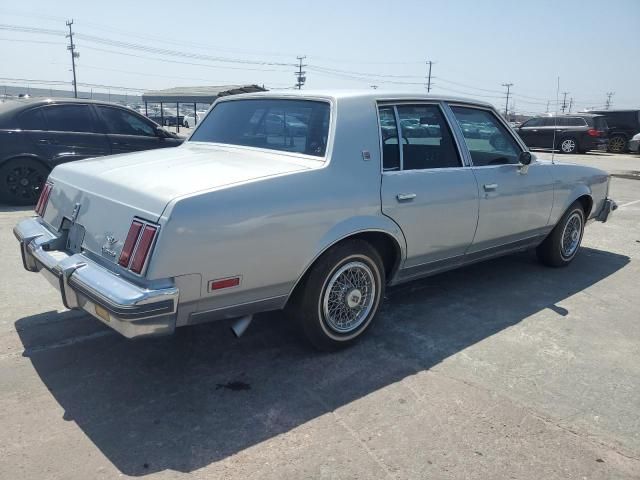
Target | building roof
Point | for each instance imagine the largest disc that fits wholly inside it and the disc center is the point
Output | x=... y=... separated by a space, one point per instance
x=205 y=94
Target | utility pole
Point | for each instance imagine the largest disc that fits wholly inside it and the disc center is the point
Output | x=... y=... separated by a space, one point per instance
x=547 y=106
x=609 y=95
x=570 y=104
x=72 y=48
x=506 y=105
x=300 y=74
x=564 y=100
x=430 y=63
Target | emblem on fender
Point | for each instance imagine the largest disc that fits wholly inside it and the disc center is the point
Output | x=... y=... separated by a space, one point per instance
x=75 y=212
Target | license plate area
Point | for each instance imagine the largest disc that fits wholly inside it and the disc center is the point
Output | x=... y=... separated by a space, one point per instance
x=75 y=237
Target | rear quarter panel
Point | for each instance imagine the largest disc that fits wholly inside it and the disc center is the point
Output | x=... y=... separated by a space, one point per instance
x=574 y=181
x=269 y=231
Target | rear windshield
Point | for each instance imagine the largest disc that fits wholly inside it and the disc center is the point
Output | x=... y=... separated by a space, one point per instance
x=300 y=126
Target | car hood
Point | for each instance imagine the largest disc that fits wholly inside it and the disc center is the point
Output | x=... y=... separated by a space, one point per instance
x=151 y=179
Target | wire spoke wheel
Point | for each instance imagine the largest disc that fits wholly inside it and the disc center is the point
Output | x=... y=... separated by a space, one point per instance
x=571 y=235
x=349 y=297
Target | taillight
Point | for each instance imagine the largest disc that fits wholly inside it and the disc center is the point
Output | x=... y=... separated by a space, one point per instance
x=130 y=243
x=137 y=246
x=593 y=132
x=41 y=206
x=144 y=245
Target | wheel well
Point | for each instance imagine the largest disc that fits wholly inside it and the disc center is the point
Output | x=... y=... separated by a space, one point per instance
x=385 y=244
x=29 y=157
x=587 y=204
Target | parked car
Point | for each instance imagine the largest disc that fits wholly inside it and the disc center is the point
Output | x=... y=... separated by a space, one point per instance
x=190 y=120
x=236 y=221
x=623 y=125
x=572 y=133
x=36 y=135
x=634 y=143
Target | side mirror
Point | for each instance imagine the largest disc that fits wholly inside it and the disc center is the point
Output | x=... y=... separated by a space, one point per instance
x=161 y=132
x=525 y=158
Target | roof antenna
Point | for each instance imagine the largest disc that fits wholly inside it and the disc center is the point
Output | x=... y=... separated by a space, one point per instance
x=555 y=122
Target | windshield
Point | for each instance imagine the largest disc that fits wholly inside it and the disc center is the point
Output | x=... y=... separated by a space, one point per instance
x=300 y=126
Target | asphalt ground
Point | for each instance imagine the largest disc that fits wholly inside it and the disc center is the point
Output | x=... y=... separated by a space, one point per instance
x=504 y=369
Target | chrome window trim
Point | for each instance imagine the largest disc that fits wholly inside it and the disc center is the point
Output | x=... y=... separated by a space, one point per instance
x=503 y=122
x=443 y=110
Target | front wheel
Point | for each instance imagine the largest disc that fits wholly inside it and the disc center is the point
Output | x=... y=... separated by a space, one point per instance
x=563 y=243
x=341 y=295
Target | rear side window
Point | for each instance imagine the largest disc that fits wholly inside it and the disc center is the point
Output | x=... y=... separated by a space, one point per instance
x=32 y=120
x=425 y=139
x=69 y=118
x=577 y=122
x=122 y=122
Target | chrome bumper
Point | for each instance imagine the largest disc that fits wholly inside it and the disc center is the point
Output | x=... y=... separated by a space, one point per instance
x=129 y=309
x=607 y=210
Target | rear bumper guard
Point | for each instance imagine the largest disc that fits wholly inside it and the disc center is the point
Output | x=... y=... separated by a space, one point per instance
x=129 y=309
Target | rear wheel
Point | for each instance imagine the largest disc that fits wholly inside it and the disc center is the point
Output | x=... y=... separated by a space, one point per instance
x=21 y=181
x=617 y=144
x=568 y=145
x=563 y=243
x=341 y=295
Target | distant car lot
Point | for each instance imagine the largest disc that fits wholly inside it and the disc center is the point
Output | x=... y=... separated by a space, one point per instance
x=500 y=370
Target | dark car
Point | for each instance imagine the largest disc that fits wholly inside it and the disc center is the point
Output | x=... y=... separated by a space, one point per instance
x=572 y=133
x=37 y=134
x=623 y=125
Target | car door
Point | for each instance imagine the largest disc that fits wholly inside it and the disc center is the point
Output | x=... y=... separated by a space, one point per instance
x=514 y=201
x=529 y=132
x=426 y=189
x=130 y=132
x=71 y=133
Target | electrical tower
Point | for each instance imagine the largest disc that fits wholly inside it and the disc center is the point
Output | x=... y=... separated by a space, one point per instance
x=608 y=104
x=72 y=48
x=506 y=104
x=570 y=104
x=564 y=101
x=430 y=63
x=300 y=74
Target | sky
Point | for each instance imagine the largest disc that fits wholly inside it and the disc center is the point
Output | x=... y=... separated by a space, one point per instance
x=476 y=46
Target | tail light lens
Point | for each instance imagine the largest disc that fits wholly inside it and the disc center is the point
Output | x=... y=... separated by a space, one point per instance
x=137 y=245
x=144 y=245
x=41 y=206
x=592 y=132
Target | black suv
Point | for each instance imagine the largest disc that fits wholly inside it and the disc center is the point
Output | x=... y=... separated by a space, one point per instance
x=574 y=133
x=37 y=134
x=623 y=125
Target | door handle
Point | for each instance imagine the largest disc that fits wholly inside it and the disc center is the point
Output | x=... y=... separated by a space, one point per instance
x=489 y=187
x=403 y=197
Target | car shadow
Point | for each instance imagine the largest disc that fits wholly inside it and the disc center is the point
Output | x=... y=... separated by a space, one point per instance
x=183 y=402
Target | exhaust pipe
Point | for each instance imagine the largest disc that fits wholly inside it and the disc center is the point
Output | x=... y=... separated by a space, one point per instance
x=240 y=325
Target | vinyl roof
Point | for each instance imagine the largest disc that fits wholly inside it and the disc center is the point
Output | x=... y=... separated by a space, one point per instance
x=205 y=94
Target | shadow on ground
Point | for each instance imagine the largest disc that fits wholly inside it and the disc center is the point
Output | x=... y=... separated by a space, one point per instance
x=183 y=402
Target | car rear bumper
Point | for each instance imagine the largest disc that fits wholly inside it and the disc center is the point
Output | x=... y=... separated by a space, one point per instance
x=607 y=210
x=129 y=309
